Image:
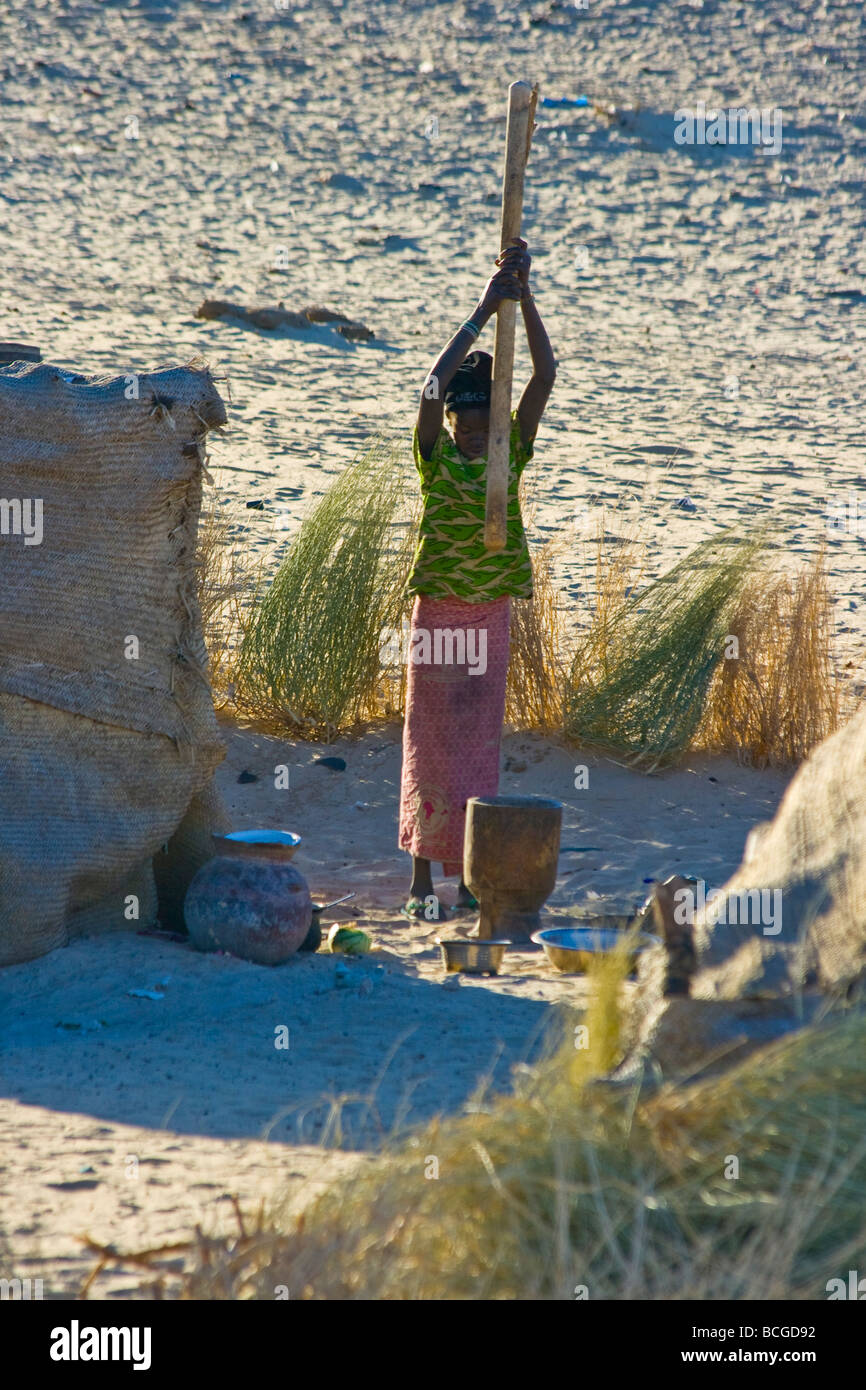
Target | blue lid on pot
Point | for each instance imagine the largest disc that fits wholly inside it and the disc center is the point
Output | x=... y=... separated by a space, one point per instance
x=263 y=837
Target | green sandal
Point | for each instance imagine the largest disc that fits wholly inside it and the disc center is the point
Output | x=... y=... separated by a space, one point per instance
x=466 y=909
x=417 y=908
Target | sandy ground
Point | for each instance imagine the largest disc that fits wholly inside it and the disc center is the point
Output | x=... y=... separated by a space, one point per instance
x=705 y=304
x=707 y=312
x=192 y=1084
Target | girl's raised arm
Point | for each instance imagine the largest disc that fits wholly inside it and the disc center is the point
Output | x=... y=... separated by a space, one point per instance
x=540 y=384
x=503 y=285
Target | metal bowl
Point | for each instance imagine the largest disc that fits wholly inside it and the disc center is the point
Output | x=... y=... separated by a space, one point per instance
x=573 y=949
x=472 y=957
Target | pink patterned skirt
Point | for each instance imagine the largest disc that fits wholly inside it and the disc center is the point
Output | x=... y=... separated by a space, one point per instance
x=455 y=705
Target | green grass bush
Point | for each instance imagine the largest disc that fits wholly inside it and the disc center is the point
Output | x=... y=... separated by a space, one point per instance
x=640 y=676
x=309 y=657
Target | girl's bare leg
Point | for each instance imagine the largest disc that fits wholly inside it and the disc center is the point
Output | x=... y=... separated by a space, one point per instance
x=465 y=897
x=422 y=884
x=422 y=878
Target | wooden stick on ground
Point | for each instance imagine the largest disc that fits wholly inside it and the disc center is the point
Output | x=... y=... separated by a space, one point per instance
x=521 y=108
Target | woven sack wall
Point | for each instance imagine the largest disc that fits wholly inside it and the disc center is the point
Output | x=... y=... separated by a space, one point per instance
x=178 y=862
x=107 y=728
x=814 y=851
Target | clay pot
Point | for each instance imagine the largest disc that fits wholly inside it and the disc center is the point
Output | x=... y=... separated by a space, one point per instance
x=510 y=857
x=249 y=899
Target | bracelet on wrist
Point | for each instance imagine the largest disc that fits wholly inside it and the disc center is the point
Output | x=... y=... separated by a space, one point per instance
x=472 y=327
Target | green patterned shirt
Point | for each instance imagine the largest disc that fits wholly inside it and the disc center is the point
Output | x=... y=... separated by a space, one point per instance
x=450 y=559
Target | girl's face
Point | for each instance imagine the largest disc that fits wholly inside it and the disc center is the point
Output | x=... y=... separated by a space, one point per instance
x=470 y=429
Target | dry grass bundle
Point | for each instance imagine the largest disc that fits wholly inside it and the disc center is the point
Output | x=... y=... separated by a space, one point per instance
x=777 y=698
x=641 y=674
x=228 y=580
x=533 y=693
x=309 y=657
x=618 y=569
x=570 y=1188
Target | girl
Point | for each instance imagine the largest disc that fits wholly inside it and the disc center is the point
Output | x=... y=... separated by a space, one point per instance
x=458 y=651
